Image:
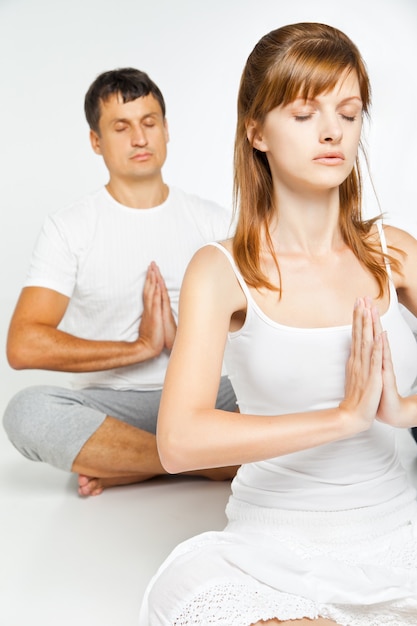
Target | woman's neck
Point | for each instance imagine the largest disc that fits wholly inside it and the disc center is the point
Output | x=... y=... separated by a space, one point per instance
x=308 y=223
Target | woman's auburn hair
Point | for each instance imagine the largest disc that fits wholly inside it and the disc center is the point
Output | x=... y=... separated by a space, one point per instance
x=299 y=60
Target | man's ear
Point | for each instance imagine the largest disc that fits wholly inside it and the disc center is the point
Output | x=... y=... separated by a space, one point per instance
x=255 y=137
x=95 y=141
x=166 y=130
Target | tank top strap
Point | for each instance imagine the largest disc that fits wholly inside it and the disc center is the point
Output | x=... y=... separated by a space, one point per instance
x=384 y=246
x=235 y=269
x=245 y=288
x=393 y=291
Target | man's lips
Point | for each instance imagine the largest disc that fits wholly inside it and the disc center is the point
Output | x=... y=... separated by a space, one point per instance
x=141 y=156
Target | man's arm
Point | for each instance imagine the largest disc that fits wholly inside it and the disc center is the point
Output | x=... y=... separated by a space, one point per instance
x=34 y=341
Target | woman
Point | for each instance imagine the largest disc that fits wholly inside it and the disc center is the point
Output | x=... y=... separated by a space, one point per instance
x=303 y=303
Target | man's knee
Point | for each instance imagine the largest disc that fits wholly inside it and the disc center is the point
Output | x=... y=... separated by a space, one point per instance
x=51 y=424
x=226 y=399
x=20 y=410
x=19 y=419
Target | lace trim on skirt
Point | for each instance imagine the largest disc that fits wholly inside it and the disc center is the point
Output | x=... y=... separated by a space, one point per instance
x=228 y=604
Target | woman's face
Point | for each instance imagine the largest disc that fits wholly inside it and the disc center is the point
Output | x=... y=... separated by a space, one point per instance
x=313 y=144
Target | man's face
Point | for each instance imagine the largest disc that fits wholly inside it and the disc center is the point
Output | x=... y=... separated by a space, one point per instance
x=132 y=138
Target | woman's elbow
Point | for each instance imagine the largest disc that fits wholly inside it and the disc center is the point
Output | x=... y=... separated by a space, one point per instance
x=174 y=457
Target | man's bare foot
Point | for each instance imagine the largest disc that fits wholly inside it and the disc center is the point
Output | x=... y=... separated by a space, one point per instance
x=216 y=473
x=90 y=486
x=100 y=465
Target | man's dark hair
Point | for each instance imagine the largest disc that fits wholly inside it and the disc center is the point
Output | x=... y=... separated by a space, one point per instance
x=126 y=81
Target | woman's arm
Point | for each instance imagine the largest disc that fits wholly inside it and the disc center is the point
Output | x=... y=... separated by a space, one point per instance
x=193 y=434
x=406 y=280
x=394 y=409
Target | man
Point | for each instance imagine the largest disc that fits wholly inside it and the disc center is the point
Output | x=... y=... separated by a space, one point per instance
x=101 y=299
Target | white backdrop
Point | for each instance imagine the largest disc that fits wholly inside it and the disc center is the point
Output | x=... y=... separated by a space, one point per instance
x=51 y=50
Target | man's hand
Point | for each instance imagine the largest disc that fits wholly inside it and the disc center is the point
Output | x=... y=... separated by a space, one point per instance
x=168 y=320
x=151 y=328
x=157 y=328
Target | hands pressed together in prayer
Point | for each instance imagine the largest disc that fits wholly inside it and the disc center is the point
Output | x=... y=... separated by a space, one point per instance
x=158 y=326
x=371 y=388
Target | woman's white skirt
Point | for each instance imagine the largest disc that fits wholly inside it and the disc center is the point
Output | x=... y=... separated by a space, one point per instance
x=357 y=567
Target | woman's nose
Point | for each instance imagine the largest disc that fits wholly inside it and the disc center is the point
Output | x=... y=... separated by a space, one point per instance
x=331 y=131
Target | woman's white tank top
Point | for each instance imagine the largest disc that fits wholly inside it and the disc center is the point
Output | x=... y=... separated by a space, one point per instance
x=277 y=369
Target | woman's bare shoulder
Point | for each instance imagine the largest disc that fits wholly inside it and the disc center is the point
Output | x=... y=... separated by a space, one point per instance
x=399 y=238
x=402 y=246
x=210 y=257
x=211 y=271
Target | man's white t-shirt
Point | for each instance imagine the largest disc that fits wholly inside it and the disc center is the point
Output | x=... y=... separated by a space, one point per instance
x=97 y=253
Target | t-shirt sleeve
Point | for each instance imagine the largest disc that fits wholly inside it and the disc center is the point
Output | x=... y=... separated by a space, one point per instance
x=220 y=223
x=226 y=225
x=53 y=265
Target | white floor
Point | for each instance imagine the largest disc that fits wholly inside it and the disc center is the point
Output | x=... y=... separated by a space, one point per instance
x=67 y=561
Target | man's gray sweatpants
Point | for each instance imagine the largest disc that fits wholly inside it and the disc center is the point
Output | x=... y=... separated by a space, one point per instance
x=51 y=424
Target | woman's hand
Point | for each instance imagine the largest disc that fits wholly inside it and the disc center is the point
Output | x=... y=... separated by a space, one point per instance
x=364 y=379
x=393 y=409
x=390 y=402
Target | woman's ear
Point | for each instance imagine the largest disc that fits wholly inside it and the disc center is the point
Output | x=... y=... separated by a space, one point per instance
x=255 y=137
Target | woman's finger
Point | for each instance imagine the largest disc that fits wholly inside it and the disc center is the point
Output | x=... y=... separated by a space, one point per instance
x=357 y=329
x=367 y=341
x=376 y=321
